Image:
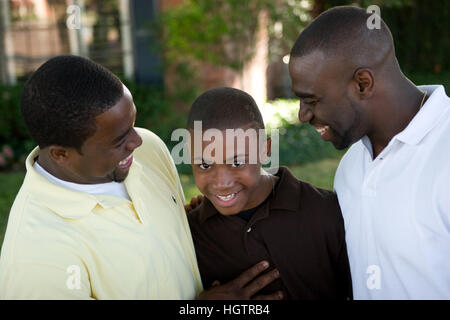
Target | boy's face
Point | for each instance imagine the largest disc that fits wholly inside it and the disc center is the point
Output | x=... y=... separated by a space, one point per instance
x=230 y=181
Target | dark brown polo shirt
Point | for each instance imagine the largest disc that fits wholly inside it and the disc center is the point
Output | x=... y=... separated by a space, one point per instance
x=299 y=230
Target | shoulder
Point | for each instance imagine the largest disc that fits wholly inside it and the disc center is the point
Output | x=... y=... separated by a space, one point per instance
x=347 y=164
x=150 y=140
x=153 y=152
x=312 y=202
x=354 y=152
x=35 y=235
x=196 y=227
x=322 y=202
x=194 y=214
x=38 y=249
x=317 y=210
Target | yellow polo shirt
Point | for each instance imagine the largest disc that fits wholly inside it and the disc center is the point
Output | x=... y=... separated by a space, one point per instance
x=64 y=244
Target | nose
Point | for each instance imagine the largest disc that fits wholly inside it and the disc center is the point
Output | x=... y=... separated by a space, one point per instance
x=135 y=141
x=304 y=113
x=223 y=179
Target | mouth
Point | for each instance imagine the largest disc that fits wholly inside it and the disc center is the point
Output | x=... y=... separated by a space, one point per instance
x=126 y=163
x=323 y=131
x=227 y=200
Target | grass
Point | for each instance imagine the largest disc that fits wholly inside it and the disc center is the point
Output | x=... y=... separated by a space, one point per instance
x=320 y=174
x=9 y=186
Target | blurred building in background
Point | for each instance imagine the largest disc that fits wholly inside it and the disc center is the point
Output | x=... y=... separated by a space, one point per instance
x=116 y=34
x=110 y=32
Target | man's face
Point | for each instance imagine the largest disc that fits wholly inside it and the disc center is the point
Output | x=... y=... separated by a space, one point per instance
x=326 y=101
x=108 y=154
x=234 y=186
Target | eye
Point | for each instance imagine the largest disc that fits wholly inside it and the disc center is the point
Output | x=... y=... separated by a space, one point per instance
x=237 y=164
x=310 y=102
x=204 y=166
x=120 y=144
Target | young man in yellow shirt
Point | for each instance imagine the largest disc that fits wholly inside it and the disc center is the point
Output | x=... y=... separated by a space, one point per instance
x=100 y=214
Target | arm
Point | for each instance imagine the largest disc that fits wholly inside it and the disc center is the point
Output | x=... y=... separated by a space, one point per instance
x=30 y=281
x=344 y=279
x=342 y=265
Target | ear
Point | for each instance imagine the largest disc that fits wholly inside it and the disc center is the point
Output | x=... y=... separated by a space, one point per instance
x=187 y=147
x=188 y=150
x=364 y=83
x=60 y=155
x=268 y=146
x=266 y=150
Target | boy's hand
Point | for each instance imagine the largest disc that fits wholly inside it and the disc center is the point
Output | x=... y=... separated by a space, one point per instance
x=245 y=286
x=195 y=202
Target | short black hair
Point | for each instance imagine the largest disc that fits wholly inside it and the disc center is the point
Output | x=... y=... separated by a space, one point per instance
x=225 y=108
x=63 y=96
x=342 y=31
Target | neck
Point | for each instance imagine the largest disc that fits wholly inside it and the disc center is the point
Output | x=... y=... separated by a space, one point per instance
x=54 y=169
x=394 y=111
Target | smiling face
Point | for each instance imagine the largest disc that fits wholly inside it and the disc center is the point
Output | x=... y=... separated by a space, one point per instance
x=328 y=100
x=234 y=184
x=108 y=154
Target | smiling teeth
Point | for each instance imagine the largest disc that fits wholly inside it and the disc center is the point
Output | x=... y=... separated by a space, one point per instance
x=124 y=161
x=322 y=129
x=226 y=198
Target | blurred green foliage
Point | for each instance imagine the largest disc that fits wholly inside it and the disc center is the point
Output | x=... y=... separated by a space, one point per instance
x=300 y=143
x=223 y=32
x=156 y=111
x=13 y=132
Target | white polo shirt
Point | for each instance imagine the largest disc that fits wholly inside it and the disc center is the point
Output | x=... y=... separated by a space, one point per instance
x=396 y=208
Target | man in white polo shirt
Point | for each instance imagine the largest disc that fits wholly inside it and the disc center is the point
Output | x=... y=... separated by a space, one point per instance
x=393 y=184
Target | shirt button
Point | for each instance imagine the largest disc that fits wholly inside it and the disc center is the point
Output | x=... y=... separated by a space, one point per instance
x=249 y=229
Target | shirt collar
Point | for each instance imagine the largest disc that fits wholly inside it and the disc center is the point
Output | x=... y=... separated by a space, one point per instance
x=281 y=199
x=63 y=201
x=427 y=117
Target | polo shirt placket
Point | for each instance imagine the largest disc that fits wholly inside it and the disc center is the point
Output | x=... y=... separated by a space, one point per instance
x=251 y=232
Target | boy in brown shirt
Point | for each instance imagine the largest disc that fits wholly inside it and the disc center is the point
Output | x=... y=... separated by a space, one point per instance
x=249 y=215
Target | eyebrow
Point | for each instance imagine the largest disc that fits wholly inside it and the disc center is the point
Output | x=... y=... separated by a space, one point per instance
x=304 y=95
x=231 y=158
x=123 y=135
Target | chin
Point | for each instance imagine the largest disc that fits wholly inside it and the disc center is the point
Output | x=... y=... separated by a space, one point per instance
x=119 y=176
x=341 y=146
x=343 y=142
x=225 y=211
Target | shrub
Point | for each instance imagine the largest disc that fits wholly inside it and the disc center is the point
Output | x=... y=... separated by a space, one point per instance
x=13 y=133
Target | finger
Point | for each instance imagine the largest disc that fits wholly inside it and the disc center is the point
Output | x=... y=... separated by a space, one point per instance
x=215 y=284
x=273 y=296
x=199 y=199
x=250 y=274
x=261 y=282
x=187 y=208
